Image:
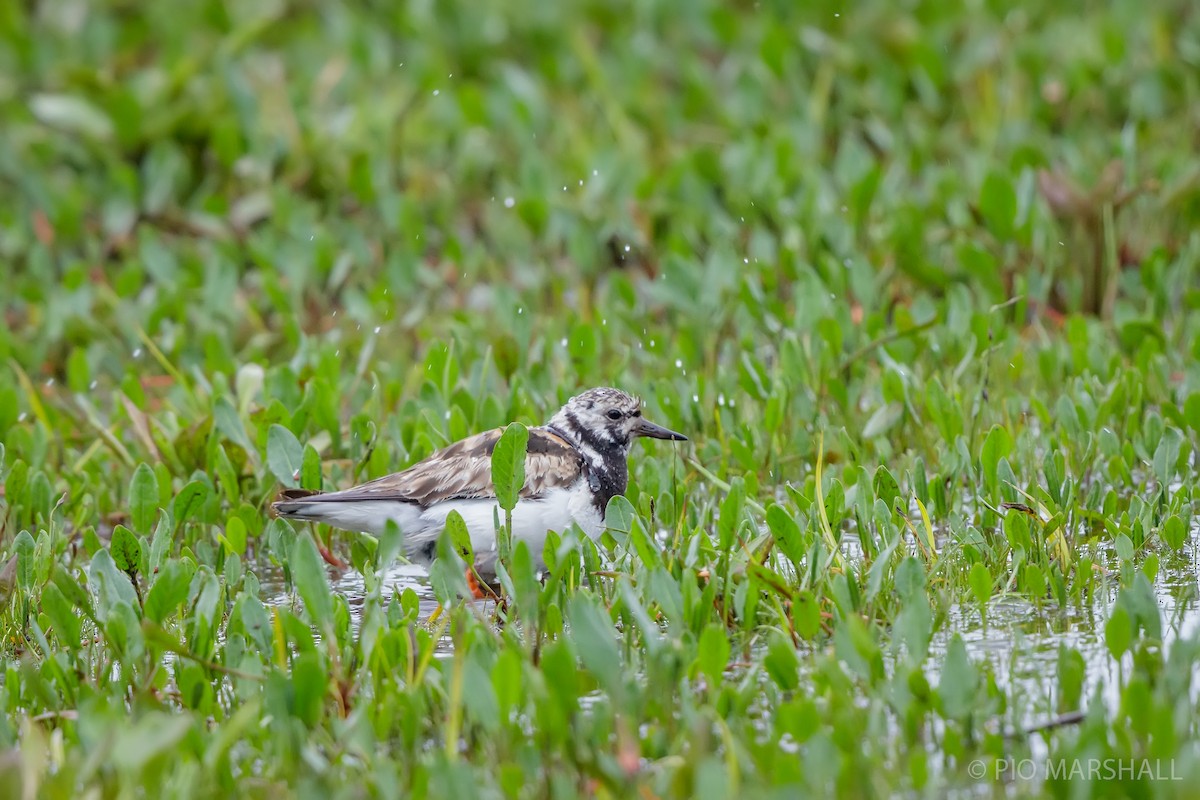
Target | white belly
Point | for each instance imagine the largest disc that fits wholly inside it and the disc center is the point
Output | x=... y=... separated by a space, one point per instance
x=555 y=510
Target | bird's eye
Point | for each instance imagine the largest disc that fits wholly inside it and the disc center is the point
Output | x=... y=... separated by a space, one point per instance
x=614 y=414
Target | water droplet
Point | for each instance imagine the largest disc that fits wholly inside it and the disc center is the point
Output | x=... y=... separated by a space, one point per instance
x=581 y=181
x=509 y=202
x=604 y=321
x=520 y=309
x=377 y=327
x=49 y=382
x=652 y=343
x=21 y=417
x=137 y=352
x=595 y=172
x=678 y=363
x=721 y=399
x=563 y=341
x=626 y=248
x=695 y=398
x=731 y=403
x=337 y=352
x=436 y=92
x=745 y=261
x=93 y=385
x=447 y=415
x=564 y=188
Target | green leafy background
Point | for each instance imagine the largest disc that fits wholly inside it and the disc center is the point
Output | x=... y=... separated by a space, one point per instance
x=919 y=281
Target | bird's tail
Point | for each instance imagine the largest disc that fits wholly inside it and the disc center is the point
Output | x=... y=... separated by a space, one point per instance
x=291 y=504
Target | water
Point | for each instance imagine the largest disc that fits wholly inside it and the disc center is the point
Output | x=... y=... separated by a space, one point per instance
x=1018 y=640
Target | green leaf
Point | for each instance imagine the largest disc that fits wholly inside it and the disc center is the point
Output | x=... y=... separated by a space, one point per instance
x=71 y=589
x=594 y=640
x=786 y=533
x=170 y=589
x=731 y=513
x=285 y=456
x=1124 y=547
x=391 y=545
x=1191 y=412
x=227 y=421
x=155 y=733
x=508 y=465
x=309 y=682
x=981 y=583
x=781 y=664
x=806 y=614
x=914 y=626
x=998 y=204
x=910 y=578
x=886 y=487
x=66 y=620
x=234 y=537
x=959 y=681
x=1166 y=455
x=311 y=581
x=996 y=446
x=618 y=516
x=160 y=544
x=883 y=420
x=310 y=470
x=226 y=474
x=1035 y=582
x=1174 y=532
x=712 y=654
x=143 y=499
x=1118 y=632
x=460 y=537
x=111 y=584
x=1071 y=673
x=191 y=499
x=126 y=550
x=526 y=587
x=26 y=568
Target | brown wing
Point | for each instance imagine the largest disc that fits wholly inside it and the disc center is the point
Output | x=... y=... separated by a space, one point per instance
x=464 y=470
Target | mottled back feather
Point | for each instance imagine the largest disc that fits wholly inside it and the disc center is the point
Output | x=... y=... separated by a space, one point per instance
x=463 y=471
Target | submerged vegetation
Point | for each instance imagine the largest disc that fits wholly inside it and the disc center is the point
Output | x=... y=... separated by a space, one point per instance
x=919 y=282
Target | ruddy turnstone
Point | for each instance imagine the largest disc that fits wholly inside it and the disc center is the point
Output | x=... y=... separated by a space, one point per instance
x=574 y=465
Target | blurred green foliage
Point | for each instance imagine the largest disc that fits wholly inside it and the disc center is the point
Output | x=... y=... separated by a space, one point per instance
x=918 y=280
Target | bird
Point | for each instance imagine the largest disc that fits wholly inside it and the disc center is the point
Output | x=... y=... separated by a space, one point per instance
x=574 y=465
